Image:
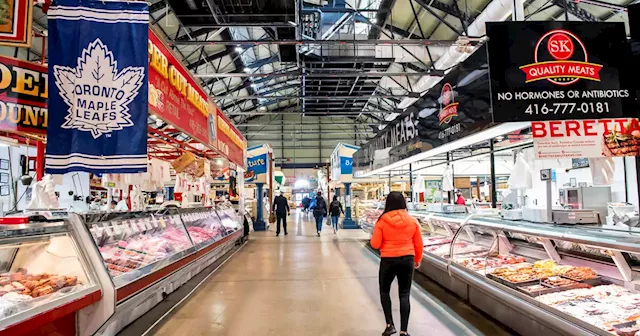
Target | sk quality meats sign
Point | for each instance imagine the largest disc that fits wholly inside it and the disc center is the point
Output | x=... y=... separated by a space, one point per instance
x=559 y=70
x=586 y=138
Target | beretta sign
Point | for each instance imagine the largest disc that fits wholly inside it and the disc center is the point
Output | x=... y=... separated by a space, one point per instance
x=559 y=70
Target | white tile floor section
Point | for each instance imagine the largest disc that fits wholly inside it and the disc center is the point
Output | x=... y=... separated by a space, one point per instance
x=301 y=284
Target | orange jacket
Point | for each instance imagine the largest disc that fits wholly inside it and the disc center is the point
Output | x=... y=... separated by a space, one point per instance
x=397 y=234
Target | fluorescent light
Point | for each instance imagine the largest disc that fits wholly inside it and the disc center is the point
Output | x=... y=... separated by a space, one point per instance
x=239 y=49
x=247 y=70
x=490 y=133
x=262 y=108
x=301 y=184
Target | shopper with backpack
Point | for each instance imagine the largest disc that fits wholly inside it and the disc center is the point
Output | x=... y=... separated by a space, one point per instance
x=319 y=211
x=335 y=209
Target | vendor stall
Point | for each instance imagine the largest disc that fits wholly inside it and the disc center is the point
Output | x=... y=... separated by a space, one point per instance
x=548 y=242
x=259 y=173
x=119 y=264
x=342 y=175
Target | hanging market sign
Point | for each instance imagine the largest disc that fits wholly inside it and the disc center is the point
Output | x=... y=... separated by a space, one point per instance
x=588 y=138
x=175 y=96
x=230 y=142
x=15 y=23
x=23 y=96
x=456 y=107
x=557 y=70
x=256 y=168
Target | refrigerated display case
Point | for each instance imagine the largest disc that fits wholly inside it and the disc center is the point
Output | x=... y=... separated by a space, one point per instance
x=538 y=279
x=150 y=254
x=44 y=276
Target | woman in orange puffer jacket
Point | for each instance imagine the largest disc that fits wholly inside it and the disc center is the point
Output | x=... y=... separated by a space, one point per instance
x=397 y=236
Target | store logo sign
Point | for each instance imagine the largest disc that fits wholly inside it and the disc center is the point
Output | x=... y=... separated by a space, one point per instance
x=97 y=94
x=561 y=58
x=448 y=105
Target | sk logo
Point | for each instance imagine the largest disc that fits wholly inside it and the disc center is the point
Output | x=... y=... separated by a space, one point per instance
x=97 y=94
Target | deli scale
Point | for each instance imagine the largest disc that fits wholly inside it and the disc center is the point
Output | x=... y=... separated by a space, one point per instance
x=555 y=215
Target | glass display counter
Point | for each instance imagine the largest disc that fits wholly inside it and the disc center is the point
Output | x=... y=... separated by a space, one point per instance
x=538 y=279
x=43 y=272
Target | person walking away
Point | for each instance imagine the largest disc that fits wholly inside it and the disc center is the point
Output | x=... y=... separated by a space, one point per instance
x=281 y=208
x=397 y=236
x=335 y=208
x=460 y=199
x=305 y=204
x=319 y=211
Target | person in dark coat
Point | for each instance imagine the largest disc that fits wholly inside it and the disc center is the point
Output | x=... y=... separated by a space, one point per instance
x=281 y=208
x=306 y=201
x=335 y=209
x=320 y=211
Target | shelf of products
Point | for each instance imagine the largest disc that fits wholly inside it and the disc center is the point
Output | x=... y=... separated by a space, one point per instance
x=561 y=280
x=42 y=270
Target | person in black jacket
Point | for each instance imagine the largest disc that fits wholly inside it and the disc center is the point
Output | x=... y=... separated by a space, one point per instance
x=335 y=208
x=320 y=211
x=281 y=208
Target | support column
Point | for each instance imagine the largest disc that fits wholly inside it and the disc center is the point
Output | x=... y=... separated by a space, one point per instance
x=259 y=224
x=347 y=222
x=411 y=183
x=492 y=167
x=337 y=193
x=40 y=146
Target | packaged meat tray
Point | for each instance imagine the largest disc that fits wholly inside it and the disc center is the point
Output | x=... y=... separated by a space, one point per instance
x=431 y=241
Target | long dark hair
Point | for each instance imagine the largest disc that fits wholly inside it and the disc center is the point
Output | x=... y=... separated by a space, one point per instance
x=395 y=201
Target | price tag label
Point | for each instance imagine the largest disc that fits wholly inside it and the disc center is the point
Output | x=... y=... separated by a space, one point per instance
x=108 y=229
x=147 y=224
x=134 y=226
x=163 y=224
x=117 y=228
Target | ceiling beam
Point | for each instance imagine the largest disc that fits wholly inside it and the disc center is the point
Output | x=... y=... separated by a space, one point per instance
x=449 y=9
x=210 y=58
x=253 y=43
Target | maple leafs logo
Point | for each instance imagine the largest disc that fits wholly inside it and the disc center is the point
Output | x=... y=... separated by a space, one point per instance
x=97 y=94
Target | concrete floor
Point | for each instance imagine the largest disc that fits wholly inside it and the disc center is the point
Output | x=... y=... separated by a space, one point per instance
x=302 y=284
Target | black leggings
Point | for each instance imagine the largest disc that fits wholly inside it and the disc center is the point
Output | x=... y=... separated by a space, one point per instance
x=401 y=267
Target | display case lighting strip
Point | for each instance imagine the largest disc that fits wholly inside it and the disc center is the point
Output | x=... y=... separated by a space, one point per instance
x=490 y=133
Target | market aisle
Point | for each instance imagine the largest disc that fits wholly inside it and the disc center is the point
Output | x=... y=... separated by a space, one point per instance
x=300 y=285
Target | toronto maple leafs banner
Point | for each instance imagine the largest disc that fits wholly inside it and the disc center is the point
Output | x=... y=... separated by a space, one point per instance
x=98 y=59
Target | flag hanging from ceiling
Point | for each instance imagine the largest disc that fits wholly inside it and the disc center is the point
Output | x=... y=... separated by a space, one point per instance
x=98 y=62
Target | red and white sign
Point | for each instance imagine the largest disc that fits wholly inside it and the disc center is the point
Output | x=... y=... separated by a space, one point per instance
x=586 y=138
x=563 y=70
x=448 y=107
x=230 y=141
x=174 y=95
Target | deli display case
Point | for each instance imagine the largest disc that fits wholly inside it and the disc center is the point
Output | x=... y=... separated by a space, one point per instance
x=44 y=275
x=150 y=254
x=538 y=279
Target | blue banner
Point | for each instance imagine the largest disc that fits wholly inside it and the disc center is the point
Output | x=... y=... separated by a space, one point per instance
x=346 y=165
x=98 y=97
x=256 y=165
